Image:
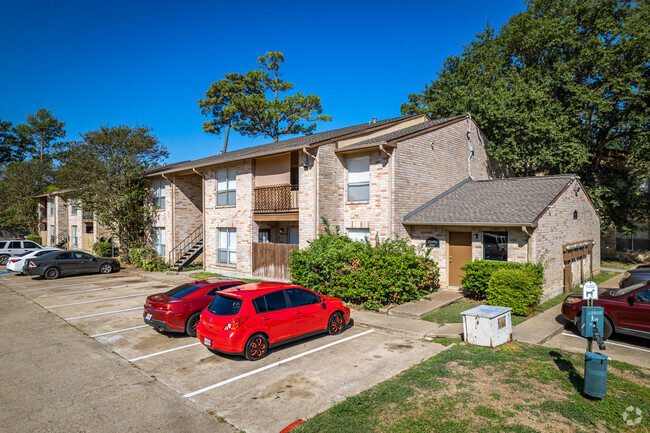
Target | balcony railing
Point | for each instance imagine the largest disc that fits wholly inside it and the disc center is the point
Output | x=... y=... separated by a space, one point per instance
x=275 y=198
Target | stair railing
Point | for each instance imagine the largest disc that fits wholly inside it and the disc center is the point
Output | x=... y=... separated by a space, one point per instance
x=185 y=245
x=61 y=238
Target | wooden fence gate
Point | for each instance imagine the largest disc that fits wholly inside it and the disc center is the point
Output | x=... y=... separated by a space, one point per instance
x=270 y=260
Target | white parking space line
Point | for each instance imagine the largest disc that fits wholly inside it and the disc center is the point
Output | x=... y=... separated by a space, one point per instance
x=100 y=300
x=610 y=342
x=164 y=351
x=87 y=283
x=119 y=330
x=103 y=314
x=275 y=364
x=133 y=285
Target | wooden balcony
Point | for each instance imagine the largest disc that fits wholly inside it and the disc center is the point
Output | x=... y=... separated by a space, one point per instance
x=275 y=199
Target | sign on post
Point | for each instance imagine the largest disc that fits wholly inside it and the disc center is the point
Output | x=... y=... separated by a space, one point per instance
x=590 y=291
x=591 y=315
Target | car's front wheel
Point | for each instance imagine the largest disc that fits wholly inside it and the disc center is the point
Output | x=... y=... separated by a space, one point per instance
x=52 y=274
x=256 y=347
x=336 y=324
x=190 y=326
x=106 y=268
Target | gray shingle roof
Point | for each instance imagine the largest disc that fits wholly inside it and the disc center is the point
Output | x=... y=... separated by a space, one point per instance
x=279 y=146
x=396 y=135
x=511 y=201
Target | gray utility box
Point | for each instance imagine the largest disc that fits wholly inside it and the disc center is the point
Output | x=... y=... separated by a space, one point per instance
x=488 y=326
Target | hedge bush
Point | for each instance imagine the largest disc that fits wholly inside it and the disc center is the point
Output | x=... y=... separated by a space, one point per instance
x=479 y=272
x=514 y=288
x=34 y=238
x=146 y=259
x=103 y=249
x=386 y=272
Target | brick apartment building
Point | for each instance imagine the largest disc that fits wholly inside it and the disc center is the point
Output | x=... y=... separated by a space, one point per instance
x=245 y=210
x=62 y=220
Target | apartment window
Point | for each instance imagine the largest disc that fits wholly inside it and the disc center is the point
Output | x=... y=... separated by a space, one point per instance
x=159 y=193
x=73 y=207
x=75 y=241
x=294 y=235
x=358 y=235
x=159 y=240
x=495 y=246
x=51 y=207
x=226 y=187
x=52 y=233
x=227 y=246
x=359 y=178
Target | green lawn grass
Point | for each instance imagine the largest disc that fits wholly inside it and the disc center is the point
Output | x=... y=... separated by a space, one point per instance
x=451 y=313
x=513 y=388
x=201 y=275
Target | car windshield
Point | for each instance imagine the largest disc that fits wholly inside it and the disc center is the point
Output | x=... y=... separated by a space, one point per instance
x=225 y=306
x=182 y=291
x=628 y=289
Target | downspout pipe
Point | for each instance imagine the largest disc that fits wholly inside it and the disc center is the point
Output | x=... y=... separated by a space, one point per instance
x=315 y=191
x=469 y=145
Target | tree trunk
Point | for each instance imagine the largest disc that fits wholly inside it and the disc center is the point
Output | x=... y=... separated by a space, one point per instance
x=225 y=143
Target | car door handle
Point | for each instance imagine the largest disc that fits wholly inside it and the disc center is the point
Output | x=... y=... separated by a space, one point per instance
x=298 y=312
x=265 y=318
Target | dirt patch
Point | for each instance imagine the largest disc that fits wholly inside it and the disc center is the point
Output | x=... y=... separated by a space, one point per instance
x=401 y=347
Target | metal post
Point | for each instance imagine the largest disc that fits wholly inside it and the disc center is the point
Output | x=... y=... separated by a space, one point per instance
x=590 y=303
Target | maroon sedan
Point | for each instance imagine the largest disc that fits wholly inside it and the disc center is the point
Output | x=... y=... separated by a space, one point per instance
x=179 y=310
x=627 y=310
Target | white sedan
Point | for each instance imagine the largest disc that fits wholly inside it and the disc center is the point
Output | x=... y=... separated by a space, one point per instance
x=16 y=263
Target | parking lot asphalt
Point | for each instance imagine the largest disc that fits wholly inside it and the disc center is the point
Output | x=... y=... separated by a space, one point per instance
x=626 y=348
x=83 y=338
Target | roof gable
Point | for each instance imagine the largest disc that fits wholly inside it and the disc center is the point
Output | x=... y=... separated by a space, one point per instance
x=510 y=201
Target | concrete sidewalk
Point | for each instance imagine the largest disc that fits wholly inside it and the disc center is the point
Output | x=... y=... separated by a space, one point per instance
x=432 y=302
x=420 y=329
x=541 y=328
x=55 y=378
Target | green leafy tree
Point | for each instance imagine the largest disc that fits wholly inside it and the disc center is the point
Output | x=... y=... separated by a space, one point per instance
x=240 y=102
x=16 y=142
x=563 y=87
x=22 y=180
x=45 y=130
x=106 y=171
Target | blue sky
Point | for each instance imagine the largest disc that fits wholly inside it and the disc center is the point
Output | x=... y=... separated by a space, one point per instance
x=149 y=62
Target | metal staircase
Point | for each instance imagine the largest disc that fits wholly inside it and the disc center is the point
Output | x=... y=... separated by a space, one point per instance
x=61 y=240
x=187 y=250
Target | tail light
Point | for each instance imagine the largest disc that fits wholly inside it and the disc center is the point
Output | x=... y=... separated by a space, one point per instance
x=235 y=323
x=31 y=264
x=15 y=261
x=162 y=307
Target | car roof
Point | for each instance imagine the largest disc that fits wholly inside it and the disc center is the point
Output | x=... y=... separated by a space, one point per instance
x=257 y=289
x=216 y=281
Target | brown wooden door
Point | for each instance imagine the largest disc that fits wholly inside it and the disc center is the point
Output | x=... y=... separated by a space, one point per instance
x=460 y=252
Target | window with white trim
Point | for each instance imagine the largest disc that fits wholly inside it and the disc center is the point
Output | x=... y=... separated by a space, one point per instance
x=359 y=178
x=74 y=207
x=159 y=240
x=159 y=193
x=51 y=207
x=226 y=187
x=75 y=239
x=52 y=235
x=227 y=246
x=358 y=235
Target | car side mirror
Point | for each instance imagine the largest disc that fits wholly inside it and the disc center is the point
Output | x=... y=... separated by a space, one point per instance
x=631 y=300
x=94 y=259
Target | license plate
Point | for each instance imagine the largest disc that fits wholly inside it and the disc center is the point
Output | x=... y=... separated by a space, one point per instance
x=147 y=316
x=207 y=341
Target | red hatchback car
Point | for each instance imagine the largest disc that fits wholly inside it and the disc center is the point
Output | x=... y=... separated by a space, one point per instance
x=179 y=309
x=627 y=310
x=249 y=319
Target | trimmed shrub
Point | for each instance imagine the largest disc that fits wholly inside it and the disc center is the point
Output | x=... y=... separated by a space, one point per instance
x=34 y=238
x=146 y=259
x=388 y=272
x=514 y=288
x=103 y=249
x=479 y=272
